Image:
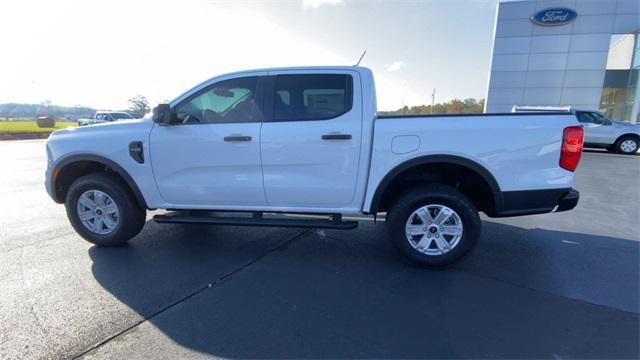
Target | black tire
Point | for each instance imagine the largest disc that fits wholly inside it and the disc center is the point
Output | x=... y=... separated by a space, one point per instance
x=433 y=194
x=622 y=140
x=131 y=217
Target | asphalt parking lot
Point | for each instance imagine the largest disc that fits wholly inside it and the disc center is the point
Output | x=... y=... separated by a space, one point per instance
x=560 y=285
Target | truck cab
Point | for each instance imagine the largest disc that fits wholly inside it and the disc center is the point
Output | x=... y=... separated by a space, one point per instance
x=316 y=167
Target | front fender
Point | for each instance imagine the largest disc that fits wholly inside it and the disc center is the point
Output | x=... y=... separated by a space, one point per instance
x=54 y=175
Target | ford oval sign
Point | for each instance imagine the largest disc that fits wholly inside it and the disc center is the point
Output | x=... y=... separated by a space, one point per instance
x=554 y=16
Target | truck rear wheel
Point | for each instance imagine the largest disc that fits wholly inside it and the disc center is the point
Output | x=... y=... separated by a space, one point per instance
x=434 y=225
x=103 y=210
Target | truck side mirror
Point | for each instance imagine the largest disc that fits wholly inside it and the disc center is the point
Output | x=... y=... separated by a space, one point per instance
x=162 y=114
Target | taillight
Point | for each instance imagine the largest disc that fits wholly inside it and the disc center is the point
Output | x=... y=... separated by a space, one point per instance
x=572 y=141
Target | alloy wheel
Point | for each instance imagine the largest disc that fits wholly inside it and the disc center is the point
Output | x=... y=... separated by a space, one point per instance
x=98 y=212
x=434 y=229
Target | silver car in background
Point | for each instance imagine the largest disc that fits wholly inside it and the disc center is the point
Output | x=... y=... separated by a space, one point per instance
x=599 y=131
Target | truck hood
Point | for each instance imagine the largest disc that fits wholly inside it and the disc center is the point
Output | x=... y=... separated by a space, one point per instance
x=105 y=128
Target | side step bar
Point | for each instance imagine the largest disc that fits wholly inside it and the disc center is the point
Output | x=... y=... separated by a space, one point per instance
x=204 y=217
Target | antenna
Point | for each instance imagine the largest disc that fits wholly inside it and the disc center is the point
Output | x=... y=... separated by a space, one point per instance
x=358 y=63
x=433 y=100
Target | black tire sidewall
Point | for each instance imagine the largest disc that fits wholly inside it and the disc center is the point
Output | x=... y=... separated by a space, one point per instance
x=131 y=215
x=441 y=195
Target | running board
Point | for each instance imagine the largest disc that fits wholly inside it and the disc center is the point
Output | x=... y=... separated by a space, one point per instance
x=256 y=220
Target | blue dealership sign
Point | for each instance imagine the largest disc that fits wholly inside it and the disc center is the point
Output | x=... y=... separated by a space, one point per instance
x=554 y=16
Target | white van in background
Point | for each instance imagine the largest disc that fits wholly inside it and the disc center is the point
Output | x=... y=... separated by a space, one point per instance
x=599 y=131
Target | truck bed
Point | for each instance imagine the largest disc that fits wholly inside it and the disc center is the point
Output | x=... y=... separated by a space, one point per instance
x=521 y=151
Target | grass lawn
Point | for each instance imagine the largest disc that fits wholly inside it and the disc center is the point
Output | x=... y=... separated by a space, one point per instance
x=31 y=126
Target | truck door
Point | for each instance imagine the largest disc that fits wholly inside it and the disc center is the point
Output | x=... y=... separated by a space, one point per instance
x=311 y=141
x=212 y=157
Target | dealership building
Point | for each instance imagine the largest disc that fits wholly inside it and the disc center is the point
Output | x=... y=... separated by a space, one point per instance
x=584 y=53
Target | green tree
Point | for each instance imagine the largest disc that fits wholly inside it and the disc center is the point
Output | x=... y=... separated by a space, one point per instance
x=138 y=106
x=455 y=106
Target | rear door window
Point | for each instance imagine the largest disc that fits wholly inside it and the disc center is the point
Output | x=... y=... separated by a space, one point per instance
x=312 y=96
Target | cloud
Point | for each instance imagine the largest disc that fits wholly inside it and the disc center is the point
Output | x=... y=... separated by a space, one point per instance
x=396 y=66
x=393 y=93
x=72 y=79
x=314 y=4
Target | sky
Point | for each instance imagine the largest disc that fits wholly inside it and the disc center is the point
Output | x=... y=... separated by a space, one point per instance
x=101 y=53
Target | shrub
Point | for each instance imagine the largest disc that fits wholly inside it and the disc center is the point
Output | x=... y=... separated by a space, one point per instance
x=46 y=122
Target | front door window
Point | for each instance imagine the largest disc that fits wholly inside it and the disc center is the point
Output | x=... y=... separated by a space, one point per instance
x=230 y=101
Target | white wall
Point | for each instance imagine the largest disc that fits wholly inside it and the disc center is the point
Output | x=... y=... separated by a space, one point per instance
x=621 y=52
x=555 y=65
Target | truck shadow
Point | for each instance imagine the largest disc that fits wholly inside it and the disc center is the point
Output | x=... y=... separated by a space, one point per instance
x=329 y=294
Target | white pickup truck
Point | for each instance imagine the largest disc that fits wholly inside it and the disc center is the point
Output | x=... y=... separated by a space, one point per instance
x=105 y=116
x=304 y=146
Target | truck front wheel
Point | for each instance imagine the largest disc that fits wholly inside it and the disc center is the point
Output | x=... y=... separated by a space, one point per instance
x=433 y=225
x=103 y=210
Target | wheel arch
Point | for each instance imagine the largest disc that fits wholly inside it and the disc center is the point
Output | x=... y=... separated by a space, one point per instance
x=384 y=186
x=633 y=135
x=73 y=166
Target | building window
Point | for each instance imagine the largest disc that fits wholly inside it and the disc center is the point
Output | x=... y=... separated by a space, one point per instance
x=621 y=77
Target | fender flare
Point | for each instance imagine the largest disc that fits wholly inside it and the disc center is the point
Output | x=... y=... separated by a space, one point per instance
x=102 y=160
x=431 y=159
x=634 y=135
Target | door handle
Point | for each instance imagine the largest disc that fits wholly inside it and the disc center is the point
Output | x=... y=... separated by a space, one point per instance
x=237 y=138
x=336 y=137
